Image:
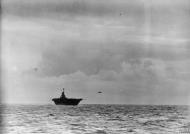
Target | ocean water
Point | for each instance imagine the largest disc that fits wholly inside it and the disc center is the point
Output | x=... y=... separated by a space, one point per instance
x=95 y=119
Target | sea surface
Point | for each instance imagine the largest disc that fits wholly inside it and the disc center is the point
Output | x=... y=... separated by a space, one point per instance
x=95 y=119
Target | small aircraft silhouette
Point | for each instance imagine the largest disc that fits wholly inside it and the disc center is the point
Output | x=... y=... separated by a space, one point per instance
x=35 y=69
x=99 y=92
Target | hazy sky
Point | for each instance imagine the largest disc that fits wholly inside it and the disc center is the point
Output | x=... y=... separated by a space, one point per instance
x=134 y=51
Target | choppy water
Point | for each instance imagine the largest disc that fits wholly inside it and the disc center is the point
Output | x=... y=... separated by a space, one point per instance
x=96 y=119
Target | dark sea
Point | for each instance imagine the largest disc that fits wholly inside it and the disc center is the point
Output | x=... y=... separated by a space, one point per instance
x=95 y=119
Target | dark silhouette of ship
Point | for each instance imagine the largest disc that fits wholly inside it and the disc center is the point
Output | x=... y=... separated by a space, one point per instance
x=63 y=100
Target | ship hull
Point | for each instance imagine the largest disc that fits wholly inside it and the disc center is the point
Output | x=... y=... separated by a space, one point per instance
x=66 y=101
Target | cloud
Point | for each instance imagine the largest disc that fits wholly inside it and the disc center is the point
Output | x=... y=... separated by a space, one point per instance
x=73 y=8
x=39 y=46
x=135 y=52
x=155 y=18
x=146 y=79
x=93 y=57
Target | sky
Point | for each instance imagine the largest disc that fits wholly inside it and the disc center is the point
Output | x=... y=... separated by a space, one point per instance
x=134 y=52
